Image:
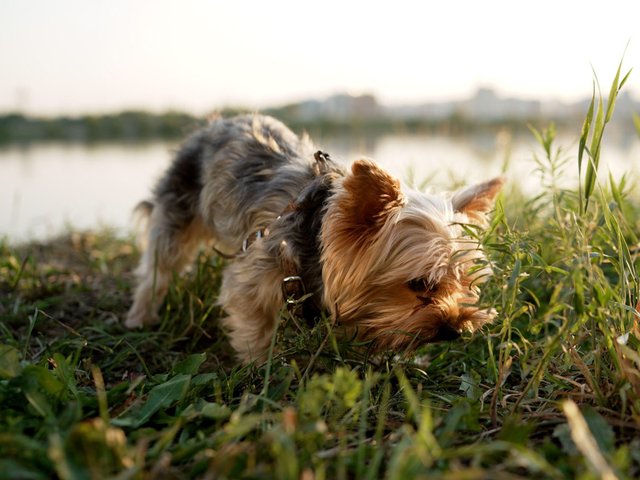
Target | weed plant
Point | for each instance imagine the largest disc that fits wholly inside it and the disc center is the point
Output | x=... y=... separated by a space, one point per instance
x=551 y=389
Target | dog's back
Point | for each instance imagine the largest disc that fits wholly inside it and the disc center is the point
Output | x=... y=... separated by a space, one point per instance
x=248 y=167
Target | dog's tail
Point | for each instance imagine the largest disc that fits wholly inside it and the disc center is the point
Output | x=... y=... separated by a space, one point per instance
x=141 y=215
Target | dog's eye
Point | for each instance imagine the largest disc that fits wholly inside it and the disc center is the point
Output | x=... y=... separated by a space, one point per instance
x=421 y=285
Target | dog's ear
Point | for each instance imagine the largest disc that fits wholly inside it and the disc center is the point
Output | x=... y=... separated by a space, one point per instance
x=372 y=194
x=477 y=200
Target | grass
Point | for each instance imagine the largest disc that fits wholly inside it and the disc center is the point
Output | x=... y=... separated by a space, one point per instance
x=551 y=389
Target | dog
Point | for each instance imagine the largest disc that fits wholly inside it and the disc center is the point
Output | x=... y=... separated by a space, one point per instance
x=394 y=266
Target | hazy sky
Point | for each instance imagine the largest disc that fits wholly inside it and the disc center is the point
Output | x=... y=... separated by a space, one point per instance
x=86 y=56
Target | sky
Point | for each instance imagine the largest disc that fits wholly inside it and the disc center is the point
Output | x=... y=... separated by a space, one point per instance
x=79 y=56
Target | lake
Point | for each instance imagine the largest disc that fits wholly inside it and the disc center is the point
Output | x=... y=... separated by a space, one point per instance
x=48 y=188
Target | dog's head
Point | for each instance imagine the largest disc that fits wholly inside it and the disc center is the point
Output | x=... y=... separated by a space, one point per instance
x=398 y=265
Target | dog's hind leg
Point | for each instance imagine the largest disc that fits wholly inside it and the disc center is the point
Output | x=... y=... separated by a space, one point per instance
x=171 y=245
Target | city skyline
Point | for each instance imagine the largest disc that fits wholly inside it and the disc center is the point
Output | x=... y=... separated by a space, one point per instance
x=485 y=103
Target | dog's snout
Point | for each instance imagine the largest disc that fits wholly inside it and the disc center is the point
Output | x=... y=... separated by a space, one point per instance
x=446 y=332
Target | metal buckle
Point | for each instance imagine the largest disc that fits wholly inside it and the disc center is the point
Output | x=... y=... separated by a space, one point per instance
x=295 y=291
x=321 y=157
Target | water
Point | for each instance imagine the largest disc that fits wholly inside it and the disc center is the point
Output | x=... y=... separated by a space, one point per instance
x=48 y=188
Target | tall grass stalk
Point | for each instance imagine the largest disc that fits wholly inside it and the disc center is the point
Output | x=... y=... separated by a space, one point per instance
x=595 y=133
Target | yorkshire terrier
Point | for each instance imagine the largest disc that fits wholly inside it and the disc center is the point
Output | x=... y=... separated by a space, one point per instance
x=394 y=266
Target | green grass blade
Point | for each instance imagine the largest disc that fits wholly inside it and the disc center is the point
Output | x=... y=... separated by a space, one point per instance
x=624 y=79
x=584 y=137
x=598 y=132
x=613 y=93
x=586 y=128
x=594 y=156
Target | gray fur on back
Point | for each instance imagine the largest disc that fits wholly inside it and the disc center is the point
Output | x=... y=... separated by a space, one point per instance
x=230 y=166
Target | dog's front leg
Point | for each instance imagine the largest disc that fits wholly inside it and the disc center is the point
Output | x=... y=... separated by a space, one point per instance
x=252 y=298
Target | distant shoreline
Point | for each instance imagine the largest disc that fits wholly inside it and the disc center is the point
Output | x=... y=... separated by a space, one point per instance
x=342 y=113
x=133 y=126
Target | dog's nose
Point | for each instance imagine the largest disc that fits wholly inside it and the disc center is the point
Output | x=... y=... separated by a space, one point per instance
x=446 y=332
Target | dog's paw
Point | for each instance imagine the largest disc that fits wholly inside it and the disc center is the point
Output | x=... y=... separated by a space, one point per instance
x=137 y=318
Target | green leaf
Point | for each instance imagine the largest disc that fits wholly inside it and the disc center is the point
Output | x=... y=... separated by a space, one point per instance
x=514 y=430
x=211 y=410
x=600 y=429
x=279 y=390
x=578 y=286
x=242 y=425
x=616 y=190
x=41 y=388
x=38 y=379
x=65 y=373
x=624 y=79
x=39 y=402
x=563 y=434
x=462 y=415
x=515 y=274
x=160 y=397
x=594 y=153
x=470 y=385
x=190 y=365
x=9 y=362
x=215 y=411
x=204 y=378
